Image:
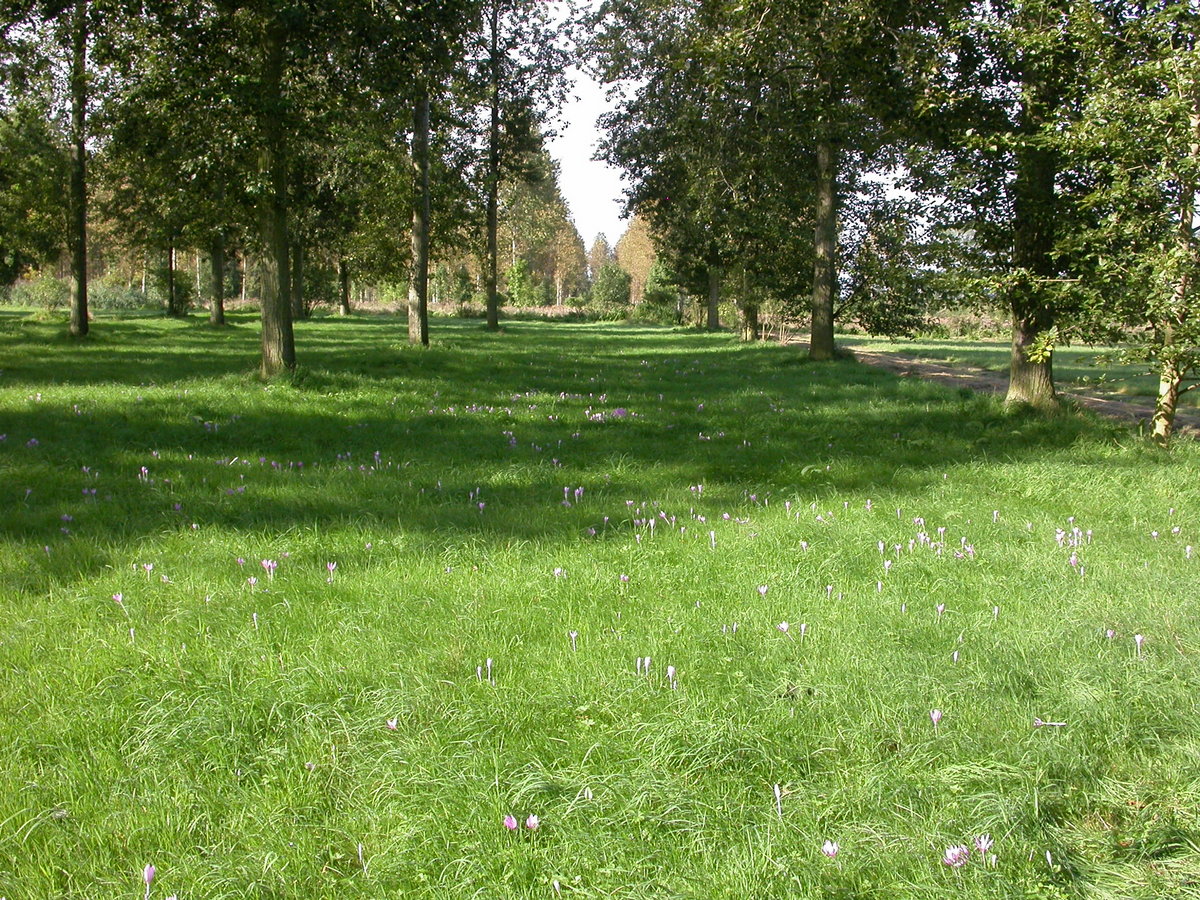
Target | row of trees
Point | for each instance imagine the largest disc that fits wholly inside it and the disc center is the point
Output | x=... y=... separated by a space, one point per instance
x=1043 y=155
x=367 y=137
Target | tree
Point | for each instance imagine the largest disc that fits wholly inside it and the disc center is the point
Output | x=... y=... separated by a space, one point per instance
x=599 y=254
x=611 y=287
x=1007 y=87
x=1136 y=145
x=521 y=68
x=750 y=122
x=33 y=172
x=635 y=254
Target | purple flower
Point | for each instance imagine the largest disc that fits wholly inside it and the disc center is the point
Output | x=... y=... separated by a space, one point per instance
x=532 y=823
x=983 y=843
x=510 y=822
x=935 y=716
x=956 y=856
x=830 y=849
x=762 y=590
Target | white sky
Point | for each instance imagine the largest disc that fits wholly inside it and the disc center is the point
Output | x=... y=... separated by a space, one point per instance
x=592 y=189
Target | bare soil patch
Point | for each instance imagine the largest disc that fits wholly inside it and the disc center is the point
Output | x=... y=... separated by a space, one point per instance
x=1136 y=410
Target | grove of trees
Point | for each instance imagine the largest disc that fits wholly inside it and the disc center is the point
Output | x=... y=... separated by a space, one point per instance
x=866 y=161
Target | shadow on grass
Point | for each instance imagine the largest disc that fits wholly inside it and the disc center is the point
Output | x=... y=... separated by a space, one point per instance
x=379 y=435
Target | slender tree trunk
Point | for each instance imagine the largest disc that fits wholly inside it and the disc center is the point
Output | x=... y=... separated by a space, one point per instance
x=172 y=288
x=299 y=309
x=751 y=330
x=418 y=284
x=493 y=174
x=78 y=206
x=278 y=340
x=821 y=345
x=714 y=298
x=344 y=285
x=216 y=315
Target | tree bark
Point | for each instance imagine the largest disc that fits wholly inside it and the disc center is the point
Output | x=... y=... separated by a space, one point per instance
x=418 y=284
x=1170 y=379
x=299 y=310
x=821 y=345
x=750 y=325
x=216 y=314
x=172 y=288
x=344 y=285
x=493 y=174
x=714 y=298
x=278 y=340
x=78 y=204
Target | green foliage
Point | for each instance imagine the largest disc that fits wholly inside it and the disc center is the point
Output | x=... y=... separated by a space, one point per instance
x=32 y=186
x=112 y=293
x=661 y=301
x=610 y=288
x=43 y=291
x=524 y=288
x=889 y=284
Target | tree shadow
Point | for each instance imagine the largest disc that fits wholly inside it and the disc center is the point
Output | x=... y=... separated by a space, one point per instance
x=383 y=436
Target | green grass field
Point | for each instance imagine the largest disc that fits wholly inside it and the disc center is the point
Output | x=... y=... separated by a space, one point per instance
x=690 y=603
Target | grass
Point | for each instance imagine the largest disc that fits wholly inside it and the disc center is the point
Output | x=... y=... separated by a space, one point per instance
x=656 y=493
x=1075 y=367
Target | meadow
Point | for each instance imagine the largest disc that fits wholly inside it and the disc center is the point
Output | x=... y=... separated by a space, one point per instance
x=582 y=611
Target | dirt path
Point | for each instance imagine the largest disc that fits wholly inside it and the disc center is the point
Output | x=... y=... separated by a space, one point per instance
x=1136 y=411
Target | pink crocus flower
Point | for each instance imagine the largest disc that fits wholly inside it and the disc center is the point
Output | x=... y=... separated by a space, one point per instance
x=393 y=724
x=830 y=849
x=532 y=823
x=148 y=877
x=935 y=715
x=510 y=822
x=762 y=590
x=983 y=843
x=1138 y=640
x=956 y=856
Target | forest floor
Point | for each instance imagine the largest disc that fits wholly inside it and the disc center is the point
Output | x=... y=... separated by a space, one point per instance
x=1131 y=409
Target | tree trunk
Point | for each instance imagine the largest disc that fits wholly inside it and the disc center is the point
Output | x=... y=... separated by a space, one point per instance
x=714 y=298
x=418 y=284
x=821 y=346
x=78 y=203
x=216 y=315
x=493 y=175
x=344 y=285
x=172 y=290
x=750 y=326
x=1170 y=379
x=299 y=309
x=1031 y=371
x=278 y=340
